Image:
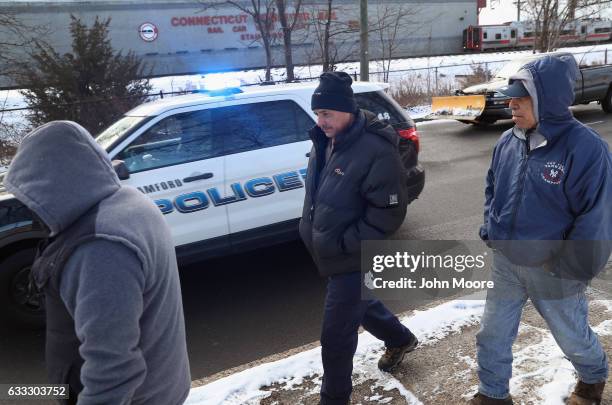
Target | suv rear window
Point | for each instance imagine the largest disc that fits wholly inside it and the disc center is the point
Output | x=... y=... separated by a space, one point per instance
x=376 y=102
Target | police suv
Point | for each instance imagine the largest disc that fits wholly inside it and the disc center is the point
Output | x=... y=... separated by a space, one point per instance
x=225 y=167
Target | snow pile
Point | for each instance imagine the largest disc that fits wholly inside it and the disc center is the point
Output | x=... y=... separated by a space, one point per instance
x=458 y=112
x=419 y=111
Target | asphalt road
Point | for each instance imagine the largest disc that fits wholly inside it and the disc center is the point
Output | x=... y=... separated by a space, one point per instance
x=242 y=308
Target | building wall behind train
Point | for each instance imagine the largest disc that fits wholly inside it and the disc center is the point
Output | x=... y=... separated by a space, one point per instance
x=178 y=36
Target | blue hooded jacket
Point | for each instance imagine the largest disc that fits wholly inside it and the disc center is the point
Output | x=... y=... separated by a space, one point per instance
x=558 y=189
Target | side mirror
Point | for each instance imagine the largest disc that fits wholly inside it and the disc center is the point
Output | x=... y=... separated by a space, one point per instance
x=121 y=169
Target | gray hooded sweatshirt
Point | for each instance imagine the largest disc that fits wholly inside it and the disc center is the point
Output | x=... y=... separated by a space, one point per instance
x=115 y=324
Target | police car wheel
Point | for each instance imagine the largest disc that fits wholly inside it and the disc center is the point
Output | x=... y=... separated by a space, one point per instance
x=20 y=303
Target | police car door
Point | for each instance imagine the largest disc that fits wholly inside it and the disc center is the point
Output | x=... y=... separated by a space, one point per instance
x=178 y=162
x=269 y=147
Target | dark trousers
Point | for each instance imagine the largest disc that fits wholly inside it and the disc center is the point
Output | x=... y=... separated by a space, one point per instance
x=344 y=313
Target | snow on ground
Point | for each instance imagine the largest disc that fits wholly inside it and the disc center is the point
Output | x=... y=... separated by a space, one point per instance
x=424 y=70
x=429 y=326
x=461 y=64
x=419 y=111
x=447 y=65
x=11 y=99
x=540 y=370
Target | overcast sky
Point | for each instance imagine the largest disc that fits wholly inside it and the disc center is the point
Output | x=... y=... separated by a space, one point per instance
x=498 y=11
x=501 y=11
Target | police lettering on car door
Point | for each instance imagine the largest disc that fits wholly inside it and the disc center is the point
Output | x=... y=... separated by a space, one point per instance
x=199 y=200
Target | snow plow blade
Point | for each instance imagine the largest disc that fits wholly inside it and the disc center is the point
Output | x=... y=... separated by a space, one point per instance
x=463 y=108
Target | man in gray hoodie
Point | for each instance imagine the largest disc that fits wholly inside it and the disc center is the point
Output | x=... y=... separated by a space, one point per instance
x=115 y=326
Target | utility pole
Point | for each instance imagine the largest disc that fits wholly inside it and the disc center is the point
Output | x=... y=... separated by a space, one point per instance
x=364 y=68
x=518 y=10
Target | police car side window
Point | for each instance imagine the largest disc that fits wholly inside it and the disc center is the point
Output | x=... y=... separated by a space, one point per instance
x=260 y=125
x=180 y=138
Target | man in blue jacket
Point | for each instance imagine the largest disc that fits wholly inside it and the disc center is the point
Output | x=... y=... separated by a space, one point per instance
x=548 y=217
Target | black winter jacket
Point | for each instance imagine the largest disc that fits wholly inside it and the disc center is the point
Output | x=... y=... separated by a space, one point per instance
x=359 y=194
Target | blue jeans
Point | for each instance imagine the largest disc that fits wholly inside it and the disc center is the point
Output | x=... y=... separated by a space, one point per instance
x=565 y=314
x=344 y=312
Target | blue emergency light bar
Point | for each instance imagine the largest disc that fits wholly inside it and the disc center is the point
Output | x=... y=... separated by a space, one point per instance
x=218 y=85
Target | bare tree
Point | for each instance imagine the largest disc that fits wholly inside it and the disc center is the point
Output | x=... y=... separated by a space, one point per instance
x=332 y=37
x=263 y=13
x=554 y=18
x=324 y=40
x=14 y=125
x=16 y=37
x=387 y=23
x=288 y=24
x=10 y=138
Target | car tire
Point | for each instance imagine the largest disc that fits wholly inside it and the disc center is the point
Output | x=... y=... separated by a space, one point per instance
x=606 y=103
x=18 y=304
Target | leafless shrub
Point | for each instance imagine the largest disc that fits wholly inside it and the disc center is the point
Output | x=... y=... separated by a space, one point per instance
x=480 y=74
x=416 y=89
x=11 y=135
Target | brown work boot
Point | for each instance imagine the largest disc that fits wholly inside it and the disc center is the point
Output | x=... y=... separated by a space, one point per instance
x=394 y=355
x=480 y=399
x=586 y=394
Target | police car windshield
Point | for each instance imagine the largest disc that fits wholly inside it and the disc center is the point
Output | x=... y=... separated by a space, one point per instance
x=113 y=133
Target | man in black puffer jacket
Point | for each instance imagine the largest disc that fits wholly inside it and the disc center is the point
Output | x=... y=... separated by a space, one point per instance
x=355 y=190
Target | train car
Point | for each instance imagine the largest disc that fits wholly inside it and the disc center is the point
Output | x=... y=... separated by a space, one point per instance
x=516 y=35
x=486 y=37
x=597 y=31
x=570 y=34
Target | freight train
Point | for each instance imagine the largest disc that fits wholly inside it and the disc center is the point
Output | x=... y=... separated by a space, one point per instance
x=517 y=35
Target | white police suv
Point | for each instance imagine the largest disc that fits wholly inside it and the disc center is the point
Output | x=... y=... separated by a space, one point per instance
x=225 y=167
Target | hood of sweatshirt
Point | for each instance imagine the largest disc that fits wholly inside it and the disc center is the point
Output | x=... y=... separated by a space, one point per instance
x=60 y=173
x=550 y=83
